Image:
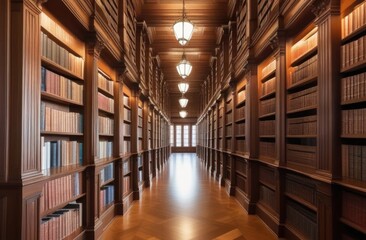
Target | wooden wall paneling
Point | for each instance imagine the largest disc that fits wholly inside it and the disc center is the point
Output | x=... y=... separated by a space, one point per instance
x=4 y=87
x=329 y=36
x=134 y=141
x=146 y=155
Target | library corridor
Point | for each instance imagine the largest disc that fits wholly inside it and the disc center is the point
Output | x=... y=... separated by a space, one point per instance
x=184 y=202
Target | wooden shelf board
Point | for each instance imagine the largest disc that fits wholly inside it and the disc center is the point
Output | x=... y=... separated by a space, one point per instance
x=302 y=109
x=267 y=136
x=355 y=34
x=127 y=173
x=357 y=66
x=106 y=135
x=301 y=136
x=49 y=64
x=268 y=115
x=303 y=82
x=105 y=111
x=61 y=205
x=240 y=120
x=272 y=187
x=269 y=75
x=103 y=161
x=61 y=133
x=240 y=104
x=64 y=170
x=357 y=136
x=55 y=98
x=128 y=107
x=267 y=160
x=106 y=208
x=126 y=121
x=301 y=201
x=268 y=95
x=352 y=184
x=105 y=92
x=240 y=136
x=107 y=182
x=305 y=56
x=353 y=225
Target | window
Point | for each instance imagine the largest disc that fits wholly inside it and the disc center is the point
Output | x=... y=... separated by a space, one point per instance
x=186 y=135
x=172 y=135
x=178 y=135
x=194 y=135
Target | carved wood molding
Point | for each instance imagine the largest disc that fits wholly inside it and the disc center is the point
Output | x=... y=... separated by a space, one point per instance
x=319 y=7
x=95 y=46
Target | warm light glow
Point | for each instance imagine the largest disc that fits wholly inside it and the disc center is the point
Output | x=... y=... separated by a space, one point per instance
x=183 y=30
x=184 y=67
x=183 y=102
x=183 y=87
x=183 y=114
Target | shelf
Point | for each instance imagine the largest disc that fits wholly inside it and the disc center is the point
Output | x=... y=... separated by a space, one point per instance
x=353 y=101
x=103 y=161
x=126 y=106
x=58 y=99
x=228 y=136
x=302 y=109
x=241 y=120
x=268 y=115
x=305 y=56
x=61 y=133
x=240 y=104
x=228 y=124
x=353 y=225
x=272 y=187
x=354 y=35
x=127 y=121
x=240 y=136
x=105 y=92
x=267 y=136
x=49 y=64
x=358 y=66
x=64 y=170
x=352 y=184
x=301 y=201
x=106 y=182
x=269 y=75
x=54 y=209
x=303 y=83
x=301 y=136
x=106 y=135
x=268 y=95
x=105 y=111
x=127 y=173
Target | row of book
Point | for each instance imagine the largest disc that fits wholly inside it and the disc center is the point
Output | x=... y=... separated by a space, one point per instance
x=241 y=96
x=127 y=129
x=105 y=103
x=353 y=209
x=269 y=68
x=304 y=45
x=229 y=131
x=354 y=162
x=61 y=86
x=267 y=196
x=126 y=101
x=106 y=125
x=127 y=114
x=302 y=126
x=139 y=111
x=126 y=146
x=106 y=195
x=353 y=52
x=229 y=117
x=126 y=185
x=303 y=99
x=62 y=222
x=264 y=8
x=139 y=145
x=139 y=132
x=268 y=86
x=60 y=190
x=139 y=121
x=240 y=113
x=107 y=173
x=267 y=149
x=353 y=87
x=354 y=20
x=228 y=145
x=239 y=129
x=353 y=121
x=267 y=106
x=126 y=167
x=55 y=118
x=307 y=69
x=54 y=52
x=105 y=149
x=240 y=145
x=301 y=154
x=267 y=127
x=105 y=83
x=140 y=177
x=61 y=153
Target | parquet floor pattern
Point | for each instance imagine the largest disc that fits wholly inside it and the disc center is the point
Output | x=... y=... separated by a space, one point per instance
x=184 y=202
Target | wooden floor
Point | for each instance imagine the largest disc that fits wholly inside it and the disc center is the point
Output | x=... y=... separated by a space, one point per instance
x=184 y=202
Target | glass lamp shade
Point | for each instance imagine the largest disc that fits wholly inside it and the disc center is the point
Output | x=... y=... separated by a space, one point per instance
x=183 y=87
x=183 y=102
x=183 y=114
x=184 y=68
x=183 y=30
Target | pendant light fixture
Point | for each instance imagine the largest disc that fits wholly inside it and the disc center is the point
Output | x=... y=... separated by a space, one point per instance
x=184 y=67
x=183 y=114
x=183 y=28
x=183 y=87
x=183 y=101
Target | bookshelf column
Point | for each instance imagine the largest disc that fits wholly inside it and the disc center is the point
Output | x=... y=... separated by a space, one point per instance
x=329 y=36
x=134 y=141
x=94 y=48
x=145 y=145
x=232 y=90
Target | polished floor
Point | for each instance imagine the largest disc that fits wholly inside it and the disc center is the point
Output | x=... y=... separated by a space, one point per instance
x=184 y=202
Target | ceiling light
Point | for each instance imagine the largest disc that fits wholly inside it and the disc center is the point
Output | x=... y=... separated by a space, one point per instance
x=183 y=114
x=183 y=101
x=183 y=29
x=184 y=67
x=183 y=87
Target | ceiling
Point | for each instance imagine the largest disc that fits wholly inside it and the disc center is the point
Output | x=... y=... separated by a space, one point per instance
x=206 y=15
